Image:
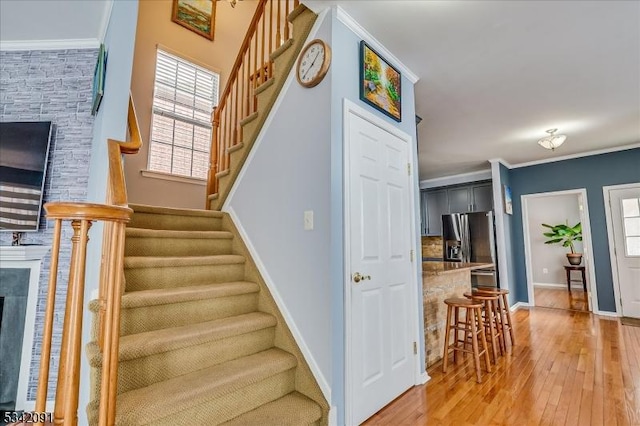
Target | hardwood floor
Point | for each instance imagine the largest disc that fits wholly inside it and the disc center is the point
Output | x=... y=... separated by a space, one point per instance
x=567 y=368
x=560 y=298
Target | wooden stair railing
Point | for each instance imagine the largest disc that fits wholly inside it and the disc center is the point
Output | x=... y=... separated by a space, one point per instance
x=268 y=30
x=115 y=214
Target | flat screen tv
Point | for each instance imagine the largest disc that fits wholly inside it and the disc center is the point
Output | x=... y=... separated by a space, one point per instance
x=24 y=149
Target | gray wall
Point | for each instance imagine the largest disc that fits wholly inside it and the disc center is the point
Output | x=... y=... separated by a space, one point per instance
x=55 y=86
x=592 y=173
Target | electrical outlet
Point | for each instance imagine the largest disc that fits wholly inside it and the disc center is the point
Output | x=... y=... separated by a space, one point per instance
x=308 y=220
x=545 y=271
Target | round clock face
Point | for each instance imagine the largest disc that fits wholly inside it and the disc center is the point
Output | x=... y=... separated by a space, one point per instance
x=313 y=63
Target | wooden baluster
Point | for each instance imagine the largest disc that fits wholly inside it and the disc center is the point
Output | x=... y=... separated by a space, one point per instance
x=227 y=145
x=286 y=23
x=66 y=408
x=109 y=382
x=270 y=36
x=104 y=280
x=45 y=351
x=235 y=112
x=213 y=156
x=248 y=81
x=296 y=3
x=278 y=36
x=256 y=70
x=263 y=58
x=241 y=100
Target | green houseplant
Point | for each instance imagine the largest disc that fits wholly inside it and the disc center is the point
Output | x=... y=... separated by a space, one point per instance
x=565 y=235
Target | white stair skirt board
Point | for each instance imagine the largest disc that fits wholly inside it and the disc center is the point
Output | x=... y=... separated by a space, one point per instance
x=297 y=335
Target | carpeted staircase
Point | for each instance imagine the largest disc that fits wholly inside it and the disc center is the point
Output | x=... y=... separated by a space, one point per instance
x=202 y=341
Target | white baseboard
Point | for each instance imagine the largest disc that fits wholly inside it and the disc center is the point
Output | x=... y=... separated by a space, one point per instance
x=519 y=305
x=297 y=335
x=556 y=285
x=333 y=415
x=607 y=314
x=423 y=378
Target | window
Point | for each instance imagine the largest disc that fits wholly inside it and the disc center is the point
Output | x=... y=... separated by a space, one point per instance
x=631 y=214
x=183 y=98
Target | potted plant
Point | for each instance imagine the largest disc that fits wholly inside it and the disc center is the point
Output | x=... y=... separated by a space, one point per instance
x=565 y=235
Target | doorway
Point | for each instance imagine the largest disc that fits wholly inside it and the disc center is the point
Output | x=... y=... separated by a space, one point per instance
x=551 y=281
x=381 y=300
x=622 y=210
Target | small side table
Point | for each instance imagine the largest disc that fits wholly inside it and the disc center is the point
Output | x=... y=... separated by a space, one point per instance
x=568 y=270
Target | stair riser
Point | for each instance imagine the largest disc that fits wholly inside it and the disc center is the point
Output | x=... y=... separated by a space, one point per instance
x=180 y=276
x=145 y=371
x=175 y=222
x=143 y=246
x=149 y=318
x=231 y=405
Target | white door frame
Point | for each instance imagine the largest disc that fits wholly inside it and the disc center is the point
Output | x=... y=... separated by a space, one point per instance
x=606 y=191
x=586 y=243
x=352 y=108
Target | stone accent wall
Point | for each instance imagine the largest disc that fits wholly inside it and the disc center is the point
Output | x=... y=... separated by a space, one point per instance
x=432 y=247
x=56 y=86
x=435 y=289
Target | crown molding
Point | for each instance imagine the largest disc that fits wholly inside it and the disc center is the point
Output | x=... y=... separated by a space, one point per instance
x=456 y=179
x=354 y=26
x=83 y=43
x=567 y=157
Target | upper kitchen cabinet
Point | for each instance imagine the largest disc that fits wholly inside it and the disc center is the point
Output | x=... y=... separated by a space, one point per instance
x=437 y=204
x=475 y=197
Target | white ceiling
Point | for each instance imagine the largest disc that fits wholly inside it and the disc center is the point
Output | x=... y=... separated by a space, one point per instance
x=494 y=75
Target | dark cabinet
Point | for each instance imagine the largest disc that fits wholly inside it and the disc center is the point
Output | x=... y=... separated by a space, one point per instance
x=476 y=197
x=437 y=205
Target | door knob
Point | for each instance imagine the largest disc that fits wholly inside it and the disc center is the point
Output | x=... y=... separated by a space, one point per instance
x=357 y=277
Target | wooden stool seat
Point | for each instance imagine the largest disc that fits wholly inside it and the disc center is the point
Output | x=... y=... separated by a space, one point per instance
x=472 y=328
x=503 y=302
x=492 y=321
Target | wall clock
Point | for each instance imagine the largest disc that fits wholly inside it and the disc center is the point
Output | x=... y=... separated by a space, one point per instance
x=313 y=63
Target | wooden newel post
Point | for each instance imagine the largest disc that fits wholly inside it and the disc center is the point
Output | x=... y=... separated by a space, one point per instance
x=66 y=408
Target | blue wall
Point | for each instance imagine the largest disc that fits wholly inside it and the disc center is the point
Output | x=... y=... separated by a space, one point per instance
x=592 y=173
x=514 y=293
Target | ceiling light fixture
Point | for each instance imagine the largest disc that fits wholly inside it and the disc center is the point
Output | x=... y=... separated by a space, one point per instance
x=552 y=141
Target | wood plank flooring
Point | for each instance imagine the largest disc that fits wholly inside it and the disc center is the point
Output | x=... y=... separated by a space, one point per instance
x=560 y=298
x=567 y=368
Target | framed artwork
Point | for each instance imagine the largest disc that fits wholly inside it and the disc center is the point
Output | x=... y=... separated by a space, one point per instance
x=379 y=83
x=98 y=79
x=508 y=203
x=195 y=15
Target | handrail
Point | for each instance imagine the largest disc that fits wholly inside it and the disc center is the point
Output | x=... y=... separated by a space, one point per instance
x=116 y=214
x=268 y=30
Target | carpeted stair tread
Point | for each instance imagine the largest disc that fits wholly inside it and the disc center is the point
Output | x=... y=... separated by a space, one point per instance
x=162 y=296
x=164 y=233
x=293 y=409
x=142 y=208
x=171 y=261
x=169 y=339
x=181 y=393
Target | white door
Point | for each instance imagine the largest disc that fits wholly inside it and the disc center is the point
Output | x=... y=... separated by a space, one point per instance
x=381 y=360
x=625 y=218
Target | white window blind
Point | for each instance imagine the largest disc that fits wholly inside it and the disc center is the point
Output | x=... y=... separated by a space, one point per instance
x=183 y=99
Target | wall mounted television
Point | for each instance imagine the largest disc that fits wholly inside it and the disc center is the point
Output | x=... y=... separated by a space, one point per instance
x=24 y=149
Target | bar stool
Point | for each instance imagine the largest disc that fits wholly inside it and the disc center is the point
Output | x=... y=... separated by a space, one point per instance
x=472 y=325
x=504 y=310
x=492 y=321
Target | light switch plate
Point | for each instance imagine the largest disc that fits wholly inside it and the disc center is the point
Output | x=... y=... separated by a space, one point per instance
x=308 y=220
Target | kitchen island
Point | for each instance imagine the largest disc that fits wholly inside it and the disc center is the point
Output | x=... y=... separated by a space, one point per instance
x=440 y=281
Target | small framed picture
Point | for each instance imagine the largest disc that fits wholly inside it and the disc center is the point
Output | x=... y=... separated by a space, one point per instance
x=508 y=203
x=98 y=79
x=379 y=83
x=196 y=15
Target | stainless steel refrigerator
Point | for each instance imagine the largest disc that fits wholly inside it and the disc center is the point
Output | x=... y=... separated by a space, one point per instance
x=470 y=237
